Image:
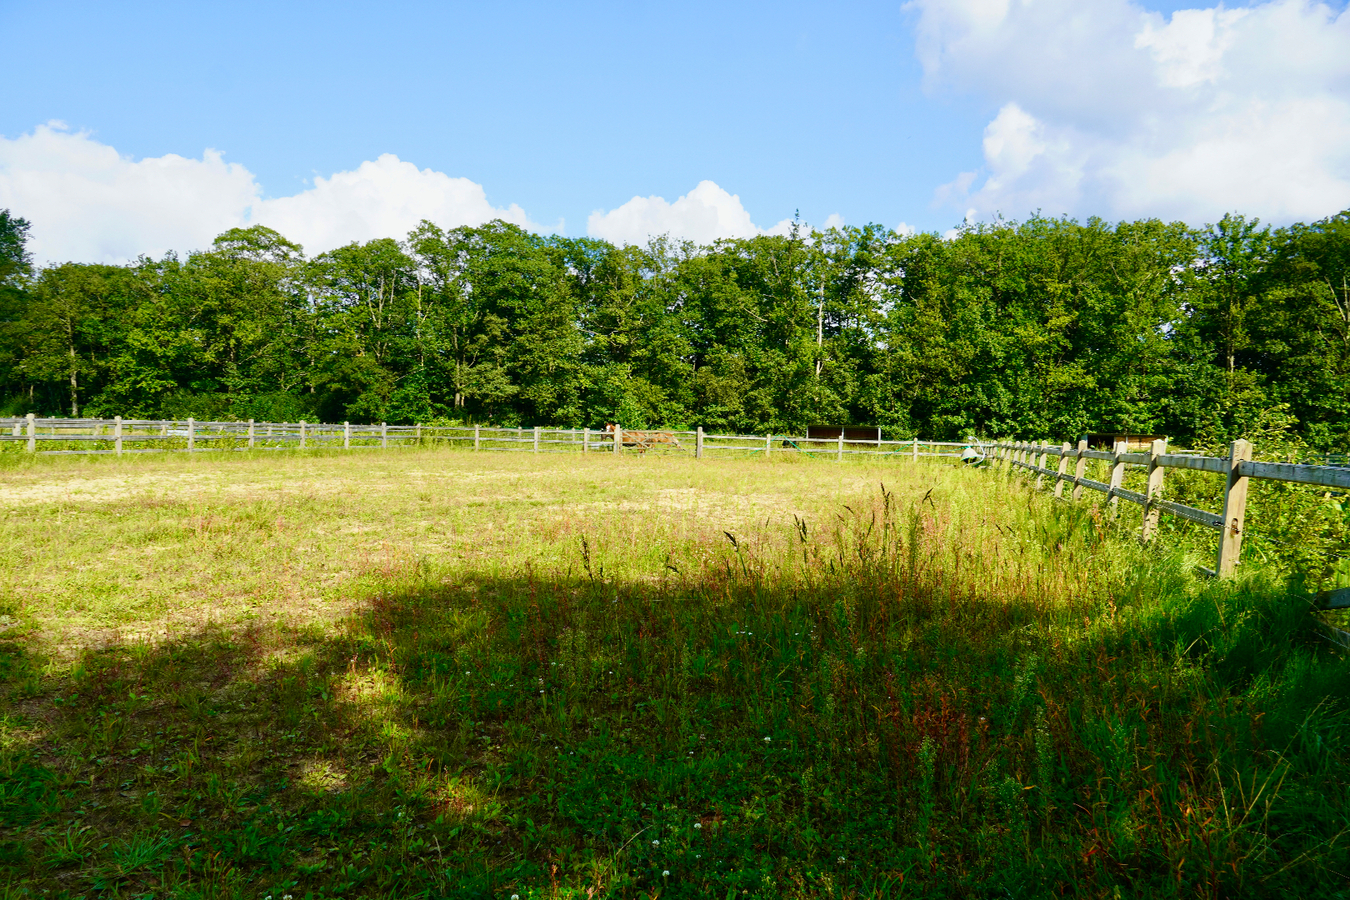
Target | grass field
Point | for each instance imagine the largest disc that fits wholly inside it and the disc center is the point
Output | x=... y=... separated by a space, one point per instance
x=444 y=674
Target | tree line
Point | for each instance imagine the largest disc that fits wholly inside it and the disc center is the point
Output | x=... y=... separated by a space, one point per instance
x=1045 y=327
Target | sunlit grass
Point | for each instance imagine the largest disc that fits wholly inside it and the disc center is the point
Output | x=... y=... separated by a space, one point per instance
x=443 y=674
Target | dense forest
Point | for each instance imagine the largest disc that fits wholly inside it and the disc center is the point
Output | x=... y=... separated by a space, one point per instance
x=1042 y=328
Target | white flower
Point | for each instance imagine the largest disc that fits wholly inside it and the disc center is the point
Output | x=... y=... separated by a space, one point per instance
x=766 y=740
x=656 y=843
x=698 y=824
x=841 y=859
x=515 y=897
x=665 y=873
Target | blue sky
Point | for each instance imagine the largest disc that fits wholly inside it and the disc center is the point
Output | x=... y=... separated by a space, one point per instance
x=569 y=109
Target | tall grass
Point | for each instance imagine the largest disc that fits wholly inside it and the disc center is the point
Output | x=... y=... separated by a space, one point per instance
x=940 y=685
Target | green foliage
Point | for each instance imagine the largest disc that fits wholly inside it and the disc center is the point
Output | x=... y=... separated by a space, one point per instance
x=1047 y=327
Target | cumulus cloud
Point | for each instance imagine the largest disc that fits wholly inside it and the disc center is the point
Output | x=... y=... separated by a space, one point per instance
x=703 y=215
x=1107 y=108
x=89 y=203
x=384 y=198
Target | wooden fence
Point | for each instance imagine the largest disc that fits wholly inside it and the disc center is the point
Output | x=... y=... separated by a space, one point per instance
x=1237 y=469
x=118 y=436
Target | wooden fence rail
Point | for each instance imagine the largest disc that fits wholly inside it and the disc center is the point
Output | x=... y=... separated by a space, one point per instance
x=1237 y=469
x=117 y=436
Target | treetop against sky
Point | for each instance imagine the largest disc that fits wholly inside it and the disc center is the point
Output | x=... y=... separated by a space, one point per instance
x=146 y=127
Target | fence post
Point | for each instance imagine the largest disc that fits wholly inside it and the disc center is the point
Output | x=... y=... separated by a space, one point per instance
x=302 y=434
x=117 y=434
x=841 y=447
x=477 y=444
x=1079 y=469
x=536 y=439
x=1117 y=475
x=915 y=456
x=768 y=445
x=252 y=434
x=1041 y=460
x=32 y=433
x=1234 y=509
x=419 y=434
x=1065 y=449
x=346 y=435
x=1154 y=490
x=384 y=435
x=618 y=439
x=585 y=439
x=698 y=443
x=164 y=427
x=192 y=435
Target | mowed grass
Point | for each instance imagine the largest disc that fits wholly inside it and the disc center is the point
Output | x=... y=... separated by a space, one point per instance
x=443 y=674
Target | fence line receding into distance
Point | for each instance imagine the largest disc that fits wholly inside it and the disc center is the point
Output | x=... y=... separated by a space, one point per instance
x=1237 y=469
x=118 y=436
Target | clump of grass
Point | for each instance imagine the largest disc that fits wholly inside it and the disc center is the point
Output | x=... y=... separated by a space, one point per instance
x=940 y=686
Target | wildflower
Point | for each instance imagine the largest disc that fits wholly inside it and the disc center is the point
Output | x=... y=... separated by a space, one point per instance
x=665 y=873
x=767 y=739
x=698 y=824
x=515 y=897
x=841 y=859
x=656 y=843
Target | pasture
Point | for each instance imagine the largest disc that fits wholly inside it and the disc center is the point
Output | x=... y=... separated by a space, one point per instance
x=432 y=673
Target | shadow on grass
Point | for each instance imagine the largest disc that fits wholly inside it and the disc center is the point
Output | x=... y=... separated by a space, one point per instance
x=875 y=722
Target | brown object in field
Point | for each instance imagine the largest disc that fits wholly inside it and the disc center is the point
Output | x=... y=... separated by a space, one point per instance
x=848 y=433
x=1107 y=440
x=644 y=440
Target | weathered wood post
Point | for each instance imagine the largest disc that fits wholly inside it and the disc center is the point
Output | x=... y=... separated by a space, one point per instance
x=1041 y=460
x=1234 y=509
x=252 y=434
x=419 y=434
x=384 y=435
x=117 y=435
x=536 y=439
x=477 y=442
x=840 y=457
x=698 y=443
x=1064 y=450
x=915 y=453
x=346 y=435
x=1079 y=468
x=1154 y=490
x=618 y=439
x=302 y=434
x=585 y=439
x=192 y=435
x=164 y=428
x=32 y=433
x=768 y=445
x=1117 y=475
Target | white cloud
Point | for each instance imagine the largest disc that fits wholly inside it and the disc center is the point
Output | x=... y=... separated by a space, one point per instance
x=89 y=203
x=1107 y=108
x=703 y=215
x=384 y=198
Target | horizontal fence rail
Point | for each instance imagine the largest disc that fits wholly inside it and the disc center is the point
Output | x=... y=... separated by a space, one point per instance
x=59 y=436
x=1238 y=469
